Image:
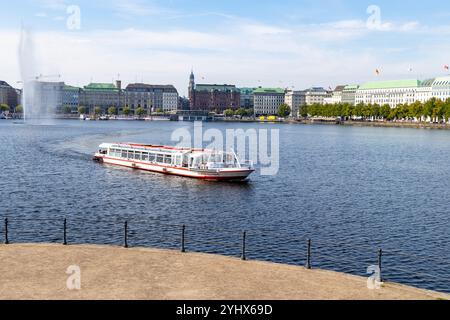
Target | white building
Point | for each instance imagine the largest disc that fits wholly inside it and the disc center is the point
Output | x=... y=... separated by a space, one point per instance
x=440 y=88
x=393 y=92
x=336 y=97
x=170 y=101
x=316 y=96
x=295 y=100
x=267 y=101
x=424 y=91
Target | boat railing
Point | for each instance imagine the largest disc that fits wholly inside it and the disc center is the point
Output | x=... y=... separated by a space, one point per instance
x=247 y=164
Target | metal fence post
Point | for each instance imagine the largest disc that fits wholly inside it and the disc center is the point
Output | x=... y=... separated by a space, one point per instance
x=380 y=257
x=308 y=257
x=65 y=232
x=183 y=239
x=126 y=235
x=6 y=231
x=244 y=238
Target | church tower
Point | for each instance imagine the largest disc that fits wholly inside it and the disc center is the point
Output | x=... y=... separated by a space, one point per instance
x=192 y=90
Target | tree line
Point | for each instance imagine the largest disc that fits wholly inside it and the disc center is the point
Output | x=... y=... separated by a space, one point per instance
x=5 y=108
x=111 y=111
x=434 y=109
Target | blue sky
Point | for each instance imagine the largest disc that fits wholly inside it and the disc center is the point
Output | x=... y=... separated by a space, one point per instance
x=248 y=43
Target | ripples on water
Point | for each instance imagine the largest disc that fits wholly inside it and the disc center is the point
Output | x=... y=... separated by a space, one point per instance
x=352 y=190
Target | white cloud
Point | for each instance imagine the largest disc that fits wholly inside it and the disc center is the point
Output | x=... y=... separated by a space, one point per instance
x=277 y=56
x=41 y=15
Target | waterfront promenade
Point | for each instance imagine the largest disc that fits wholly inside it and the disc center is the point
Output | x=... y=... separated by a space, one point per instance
x=39 y=272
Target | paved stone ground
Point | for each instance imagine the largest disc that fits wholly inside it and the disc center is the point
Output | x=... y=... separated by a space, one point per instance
x=39 y=272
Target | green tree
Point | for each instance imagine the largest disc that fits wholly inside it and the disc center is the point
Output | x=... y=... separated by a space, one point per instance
x=250 y=112
x=429 y=107
x=112 y=111
x=81 y=110
x=126 y=111
x=241 y=112
x=417 y=110
x=229 y=113
x=19 y=109
x=4 y=107
x=140 y=112
x=159 y=110
x=97 y=111
x=284 y=110
x=67 y=110
x=385 y=111
x=304 y=111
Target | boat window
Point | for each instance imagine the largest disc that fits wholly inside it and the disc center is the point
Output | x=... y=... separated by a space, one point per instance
x=130 y=154
x=160 y=158
x=151 y=157
x=137 y=155
x=144 y=156
x=168 y=159
x=124 y=154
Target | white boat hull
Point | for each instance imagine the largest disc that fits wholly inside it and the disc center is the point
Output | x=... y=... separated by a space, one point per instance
x=212 y=175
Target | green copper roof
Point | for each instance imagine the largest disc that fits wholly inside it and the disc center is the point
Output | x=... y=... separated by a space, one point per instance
x=215 y=87
x=101 y=86
x=427 y=82
x=351 y=87
x=269 y=90
x=247 y=90
x=390 y=84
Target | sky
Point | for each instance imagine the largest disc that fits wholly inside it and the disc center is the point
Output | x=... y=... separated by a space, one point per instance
x=249 y=43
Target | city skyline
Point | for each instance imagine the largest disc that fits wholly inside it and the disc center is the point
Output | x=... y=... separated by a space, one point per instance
x=301 y=44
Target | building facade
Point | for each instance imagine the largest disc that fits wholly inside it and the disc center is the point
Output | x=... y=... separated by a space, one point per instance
x=47 y=97
x=336 y=96
x=316 y=95
x=391 y=93
x=102 y=95
x=440 y=88
x=349 y=94
x=8 y=95
x=247 y=99
x=267 y=101
x=152 y=97
x=213 y=97
x=295 y=100
x=71 y=98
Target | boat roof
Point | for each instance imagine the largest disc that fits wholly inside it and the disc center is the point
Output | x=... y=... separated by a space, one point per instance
x=152 y=147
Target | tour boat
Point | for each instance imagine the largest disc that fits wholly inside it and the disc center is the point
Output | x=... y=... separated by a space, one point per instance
x=186 y=162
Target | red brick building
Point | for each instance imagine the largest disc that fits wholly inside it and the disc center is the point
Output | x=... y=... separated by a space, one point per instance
x=213 y=97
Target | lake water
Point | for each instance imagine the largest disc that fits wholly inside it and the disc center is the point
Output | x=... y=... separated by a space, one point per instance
x=352 y=190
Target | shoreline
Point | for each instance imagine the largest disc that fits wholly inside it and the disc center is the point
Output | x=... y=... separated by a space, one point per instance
x=38 y=271
x=374 y=124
